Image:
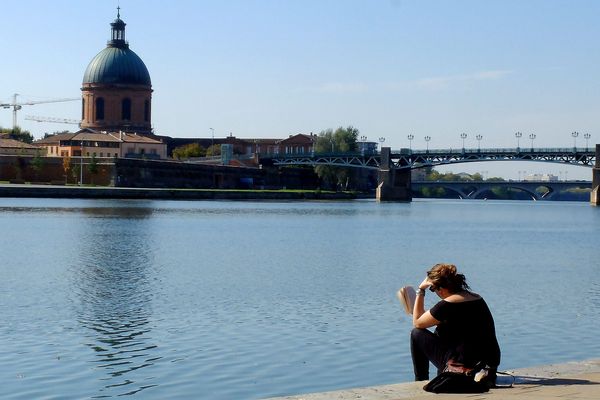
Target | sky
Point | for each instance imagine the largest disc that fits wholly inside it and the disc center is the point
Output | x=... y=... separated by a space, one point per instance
x=273 y=68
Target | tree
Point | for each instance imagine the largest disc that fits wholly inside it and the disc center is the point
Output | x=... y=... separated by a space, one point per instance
x=66 y=167
x=214 y=150
x=75 y=172
x=342 y=140
x=37 y=164
x=188 y=151
x=17 y=134
x=93 y=168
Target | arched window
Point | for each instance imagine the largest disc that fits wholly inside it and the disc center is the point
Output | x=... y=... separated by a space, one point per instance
x=147 y=110
x=99 y=109
x=82 y=108
x=126 y=110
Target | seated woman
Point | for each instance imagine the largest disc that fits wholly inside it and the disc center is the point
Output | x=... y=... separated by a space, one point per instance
x=465 y=331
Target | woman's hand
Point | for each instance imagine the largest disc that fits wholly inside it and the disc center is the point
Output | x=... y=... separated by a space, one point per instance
x=425 y=284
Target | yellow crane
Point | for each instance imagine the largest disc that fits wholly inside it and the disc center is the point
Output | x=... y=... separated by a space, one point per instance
x=17 y=106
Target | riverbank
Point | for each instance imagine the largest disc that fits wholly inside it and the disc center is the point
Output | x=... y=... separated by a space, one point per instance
x=573 y=380
x=103 y=192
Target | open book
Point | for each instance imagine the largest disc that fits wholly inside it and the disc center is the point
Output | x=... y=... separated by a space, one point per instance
x=407 y=296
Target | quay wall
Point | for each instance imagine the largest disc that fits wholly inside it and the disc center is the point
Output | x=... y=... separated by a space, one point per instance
x=50 y=191
x=143 y=173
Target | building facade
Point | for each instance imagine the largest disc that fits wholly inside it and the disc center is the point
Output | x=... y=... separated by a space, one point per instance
x=88 y=143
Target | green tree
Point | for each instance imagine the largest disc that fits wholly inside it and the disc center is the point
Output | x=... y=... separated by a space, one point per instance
x=76 y=172
x=214 y=150
x=66 y=167
x=37 y=164
x=93 y=168
x=188 y=151
x=342 y=140
x=17 y=134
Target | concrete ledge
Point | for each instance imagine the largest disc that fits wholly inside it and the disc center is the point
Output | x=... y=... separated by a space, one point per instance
x=99 y=192
x=573 y=380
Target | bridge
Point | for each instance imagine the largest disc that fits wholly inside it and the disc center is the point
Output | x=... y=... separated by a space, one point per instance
x=394 y=166
x=411 y=159
x=476 y=189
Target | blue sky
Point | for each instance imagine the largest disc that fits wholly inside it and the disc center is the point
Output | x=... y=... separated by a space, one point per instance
x=270 y=68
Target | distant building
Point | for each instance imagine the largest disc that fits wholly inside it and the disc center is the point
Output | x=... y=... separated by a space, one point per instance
x=541 y=178
x=365 y=147
x=15 y=147
x=297 y=144
x=88 y=143
x=116 y=88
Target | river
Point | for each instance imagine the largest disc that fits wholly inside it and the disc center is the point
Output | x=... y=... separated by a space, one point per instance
x=247 y=300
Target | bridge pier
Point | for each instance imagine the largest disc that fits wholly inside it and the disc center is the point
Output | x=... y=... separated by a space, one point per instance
x=394 y=184
x=595 y=195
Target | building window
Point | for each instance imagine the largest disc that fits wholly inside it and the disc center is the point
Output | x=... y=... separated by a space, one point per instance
x=99 y=109
x=82 y=108
x=126 y=110
x=147 y=110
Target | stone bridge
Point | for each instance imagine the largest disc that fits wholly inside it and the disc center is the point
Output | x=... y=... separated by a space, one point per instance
x=475 y=189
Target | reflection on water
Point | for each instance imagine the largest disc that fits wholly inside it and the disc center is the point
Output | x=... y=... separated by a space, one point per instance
x=249 y=300
x=113 y=299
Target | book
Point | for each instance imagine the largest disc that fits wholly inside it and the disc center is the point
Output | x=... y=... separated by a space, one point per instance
x=407 y=296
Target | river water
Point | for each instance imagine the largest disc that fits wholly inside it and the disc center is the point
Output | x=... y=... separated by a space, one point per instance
x=247 y=300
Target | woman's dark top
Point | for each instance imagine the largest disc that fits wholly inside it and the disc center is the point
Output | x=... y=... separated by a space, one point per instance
x=468 y=330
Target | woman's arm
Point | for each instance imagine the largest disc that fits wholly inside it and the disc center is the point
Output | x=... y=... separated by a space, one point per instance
x=422 y=319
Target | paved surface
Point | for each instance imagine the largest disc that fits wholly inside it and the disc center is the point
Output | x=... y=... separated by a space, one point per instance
x=575 y=380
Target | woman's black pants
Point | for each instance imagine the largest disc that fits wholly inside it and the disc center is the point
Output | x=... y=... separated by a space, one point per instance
x=426 y=346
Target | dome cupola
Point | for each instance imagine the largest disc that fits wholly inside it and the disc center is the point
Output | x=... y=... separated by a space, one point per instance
x=116 y=87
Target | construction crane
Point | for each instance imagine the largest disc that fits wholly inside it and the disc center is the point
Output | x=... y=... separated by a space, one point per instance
x=52 y=119
x=17 y=106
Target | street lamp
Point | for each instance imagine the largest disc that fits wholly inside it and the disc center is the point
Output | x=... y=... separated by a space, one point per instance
x=381 y=140
x=479 y=137
x=81 y=166
x=518 y=135
x=427 y=139
x=212 y=140
x=463 y=136
x=532 y=137
x=587 y=137
x=575 y=134
x=410 y=139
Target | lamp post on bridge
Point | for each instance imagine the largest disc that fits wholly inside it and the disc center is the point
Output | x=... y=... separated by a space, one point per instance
x=518 y=135
x=532 y=137
x=410 y=139
x=363 y=139
x=427 y=139
x=587 y=137
x=381 y=140
x=479 y=137
x=463 y=136
x=575 y=134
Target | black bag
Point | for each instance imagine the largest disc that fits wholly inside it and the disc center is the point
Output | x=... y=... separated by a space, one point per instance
x=454 y=382
x=457 y=378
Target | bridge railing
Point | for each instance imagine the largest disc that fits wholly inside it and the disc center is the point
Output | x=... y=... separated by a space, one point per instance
x=508 y=150
x=457 y=151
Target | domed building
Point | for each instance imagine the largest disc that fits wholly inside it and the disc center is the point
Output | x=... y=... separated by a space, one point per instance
x=116 y=88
